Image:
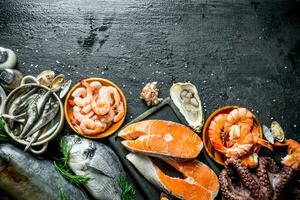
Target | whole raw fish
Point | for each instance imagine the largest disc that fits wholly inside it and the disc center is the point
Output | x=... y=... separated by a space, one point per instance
x=98 y=162
x=26 y=178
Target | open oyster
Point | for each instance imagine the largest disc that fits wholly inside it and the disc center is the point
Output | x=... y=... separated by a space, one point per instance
x=185 y=97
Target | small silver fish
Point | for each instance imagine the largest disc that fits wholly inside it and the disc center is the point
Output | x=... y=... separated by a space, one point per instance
x=44 y=132
x=24 y=177
x=97 y=161
x=20 y=99
x=50 y=111
x=32 y=116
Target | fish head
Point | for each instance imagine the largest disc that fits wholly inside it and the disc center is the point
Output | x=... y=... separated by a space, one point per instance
x=81 y=150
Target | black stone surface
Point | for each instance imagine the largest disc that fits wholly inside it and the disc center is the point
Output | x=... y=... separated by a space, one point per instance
x=236 y=52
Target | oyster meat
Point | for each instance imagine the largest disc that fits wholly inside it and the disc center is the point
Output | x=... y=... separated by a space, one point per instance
x=185 y=97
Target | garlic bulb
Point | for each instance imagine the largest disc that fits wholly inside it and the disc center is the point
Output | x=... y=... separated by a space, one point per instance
x=150 y=94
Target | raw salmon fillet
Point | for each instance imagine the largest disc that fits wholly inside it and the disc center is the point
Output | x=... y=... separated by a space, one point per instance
x=164 y=139
x=200 y=182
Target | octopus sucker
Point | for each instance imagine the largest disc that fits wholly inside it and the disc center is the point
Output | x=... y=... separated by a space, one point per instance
x=269 y=182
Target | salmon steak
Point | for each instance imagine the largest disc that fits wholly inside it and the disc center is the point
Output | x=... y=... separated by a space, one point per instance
x=199 y=182
x=163 y=139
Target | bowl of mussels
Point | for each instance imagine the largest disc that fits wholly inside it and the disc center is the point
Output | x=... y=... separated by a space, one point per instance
x=33 y=114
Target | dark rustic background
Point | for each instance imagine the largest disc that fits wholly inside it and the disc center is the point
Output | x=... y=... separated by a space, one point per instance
x=236 y=52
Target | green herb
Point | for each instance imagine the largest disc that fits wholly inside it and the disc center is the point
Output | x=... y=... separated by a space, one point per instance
x=62 y=194
x=128 y=192
x=69 y=176
x=65 y=149
x=3 y=136
x=62 y=166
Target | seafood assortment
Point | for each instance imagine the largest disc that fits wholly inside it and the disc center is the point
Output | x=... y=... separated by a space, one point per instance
x=33 y=114
x=98 y=162
x=24 y=177
x=150 y=94
x=199 y=181
x=95 y=107
x=8 y=58
x=185 y=97
x=163 y=139
x=236 y=134
x=268 y=182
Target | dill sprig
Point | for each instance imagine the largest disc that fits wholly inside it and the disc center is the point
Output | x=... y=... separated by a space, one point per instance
x=62 y=167
x=62 y=194
x=128 y=192
x=65 y=149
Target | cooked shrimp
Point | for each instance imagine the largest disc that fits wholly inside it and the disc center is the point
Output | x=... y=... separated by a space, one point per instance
x=292 y=159
x=108 y=118
x=237 y=116
x=79 y=116
x=119 y=112
x=111 y=94
x=100 y=106
x=83 y=101
x=86 y=109
x=96 y=85
x=240 y=139
x=79 y=92
x=216 y=133
x=91 y=127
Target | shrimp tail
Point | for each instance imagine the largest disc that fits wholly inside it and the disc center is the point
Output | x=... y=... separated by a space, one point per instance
x=71 y=102
x=265 y=143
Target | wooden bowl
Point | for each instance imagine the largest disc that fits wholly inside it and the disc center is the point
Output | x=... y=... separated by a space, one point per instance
x=215 y=155
x=114 y=127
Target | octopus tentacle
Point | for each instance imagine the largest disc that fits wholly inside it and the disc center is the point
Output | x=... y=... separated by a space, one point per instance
x=282 y=181
x=246 y=177
x=265 y=165
x=228 y=189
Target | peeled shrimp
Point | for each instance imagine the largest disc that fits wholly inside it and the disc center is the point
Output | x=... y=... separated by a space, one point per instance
x=111 y=94
x=79 y=92
x=83 y=101
x=119 y=112
x=96 y=85
x=91 y=127
x=79 y=116
x=108 y=118
x=86 y=109
x=100 y=106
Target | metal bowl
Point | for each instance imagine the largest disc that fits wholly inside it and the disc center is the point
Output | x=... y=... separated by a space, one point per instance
x=37 y=147
x=114 y=127
x=215 y=155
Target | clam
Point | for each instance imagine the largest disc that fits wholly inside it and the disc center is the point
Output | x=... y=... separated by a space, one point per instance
x=277 y=131
x=268 y=134
x=46 y=77
x=57 y=82
x=185 y=97
x=65 y=88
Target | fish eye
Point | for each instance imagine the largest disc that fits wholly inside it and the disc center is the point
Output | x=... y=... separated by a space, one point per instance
x=77 y=140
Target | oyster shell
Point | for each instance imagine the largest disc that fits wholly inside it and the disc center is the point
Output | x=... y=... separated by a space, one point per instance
x=277 y=131
x=185 y=97
x=45 y=78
